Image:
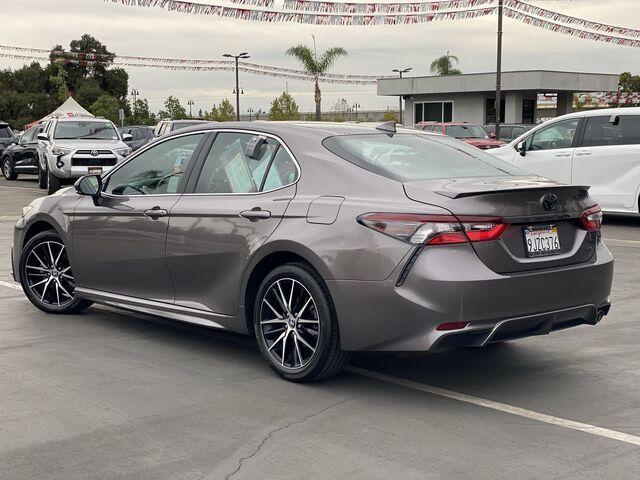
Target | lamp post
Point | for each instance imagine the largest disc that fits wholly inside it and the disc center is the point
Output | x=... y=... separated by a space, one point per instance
x=356 y=106
x=190 y=103
x=243 y=55
x=134 y=94
x=499 y=70
x=400 y=71
x=250 y=111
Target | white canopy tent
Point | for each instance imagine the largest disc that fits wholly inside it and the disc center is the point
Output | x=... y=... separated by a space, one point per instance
x=70 y=108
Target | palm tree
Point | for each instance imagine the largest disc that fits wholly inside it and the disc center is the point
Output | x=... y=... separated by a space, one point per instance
x=316 y=66
x=444 y=65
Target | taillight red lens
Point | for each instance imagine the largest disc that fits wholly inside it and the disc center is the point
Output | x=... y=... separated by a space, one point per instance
x=591 y=219
x=421 y=229
x=443 y=327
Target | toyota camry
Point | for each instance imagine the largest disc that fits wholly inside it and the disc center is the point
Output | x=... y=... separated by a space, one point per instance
x=321 y=239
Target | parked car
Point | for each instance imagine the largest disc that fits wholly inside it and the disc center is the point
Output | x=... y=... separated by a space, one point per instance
x=22 y=155
x=600 y=148
x=508 y=131
x=467 y=132
x=71 y=147
x=168 y=125
x=321 y=239
x=140 y=135
x=6 y=136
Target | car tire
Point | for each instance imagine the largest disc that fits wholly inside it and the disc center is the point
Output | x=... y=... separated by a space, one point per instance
x=42 y=177
x=298 y=336
x=7 y=169
x=53 y=183
x=46 y=276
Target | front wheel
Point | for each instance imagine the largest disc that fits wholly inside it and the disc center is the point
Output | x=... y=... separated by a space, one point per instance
x=296 y=325
x=7 y=169
x=46 y=276
x=53 y=183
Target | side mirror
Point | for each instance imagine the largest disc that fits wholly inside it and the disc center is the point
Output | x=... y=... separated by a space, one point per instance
x=90 y=185
x=522 y=148
x=127 y=137
x=43 y=136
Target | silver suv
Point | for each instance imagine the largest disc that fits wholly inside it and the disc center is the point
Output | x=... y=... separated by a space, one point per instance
x=72 y=147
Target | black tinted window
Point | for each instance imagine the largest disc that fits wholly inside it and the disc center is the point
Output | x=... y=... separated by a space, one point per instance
x=407 y=157
x=601 y=131
x=5 y=132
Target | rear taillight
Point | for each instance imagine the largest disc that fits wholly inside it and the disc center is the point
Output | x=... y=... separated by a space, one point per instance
x=591 y=219
x=421 y=229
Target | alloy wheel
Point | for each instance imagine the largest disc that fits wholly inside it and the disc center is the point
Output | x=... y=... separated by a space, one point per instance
x=6 y=168
x=289 y=323
x=48 y=274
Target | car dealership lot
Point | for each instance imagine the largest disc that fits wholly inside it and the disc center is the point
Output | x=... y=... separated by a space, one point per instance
x=108 y=394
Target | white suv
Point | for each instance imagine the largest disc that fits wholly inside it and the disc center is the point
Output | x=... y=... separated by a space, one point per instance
x=599 y=148
x=71 y=147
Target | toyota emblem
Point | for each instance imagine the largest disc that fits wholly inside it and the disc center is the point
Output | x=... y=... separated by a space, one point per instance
x=550 y=201
x=94 y=153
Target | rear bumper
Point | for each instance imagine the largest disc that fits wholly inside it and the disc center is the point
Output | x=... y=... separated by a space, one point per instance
x=451 y=284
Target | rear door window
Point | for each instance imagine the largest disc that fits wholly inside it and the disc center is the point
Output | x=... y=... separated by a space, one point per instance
x=5 y=131
x=602 y=131
x=228 y=169
x=558 y=135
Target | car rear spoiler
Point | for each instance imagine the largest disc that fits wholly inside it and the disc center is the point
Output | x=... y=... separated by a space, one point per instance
x=584 y=189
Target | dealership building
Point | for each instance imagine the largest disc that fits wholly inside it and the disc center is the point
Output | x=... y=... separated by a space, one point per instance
x=472 y=97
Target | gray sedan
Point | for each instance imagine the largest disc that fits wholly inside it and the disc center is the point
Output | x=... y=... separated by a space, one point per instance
x=321 y=239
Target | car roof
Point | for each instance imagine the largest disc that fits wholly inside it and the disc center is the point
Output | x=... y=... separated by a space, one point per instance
x=190 y=121
x=321 y=129
x=76 y=119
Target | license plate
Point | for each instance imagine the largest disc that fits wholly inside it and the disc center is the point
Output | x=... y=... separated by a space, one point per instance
x=541 y=240
x=95 y=170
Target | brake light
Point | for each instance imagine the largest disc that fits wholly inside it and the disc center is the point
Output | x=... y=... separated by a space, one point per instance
x=444 y=327
x=591 y=219
x=421 y=229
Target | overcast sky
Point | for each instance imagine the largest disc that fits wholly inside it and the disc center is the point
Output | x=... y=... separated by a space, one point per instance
x=372 y=50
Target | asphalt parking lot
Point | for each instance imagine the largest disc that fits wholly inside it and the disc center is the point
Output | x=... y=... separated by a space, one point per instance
x=114 y=395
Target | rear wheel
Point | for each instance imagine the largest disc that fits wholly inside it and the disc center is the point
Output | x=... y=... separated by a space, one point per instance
x=53 y=183
x=46 y=275
x=7 y=169
x=296 y=325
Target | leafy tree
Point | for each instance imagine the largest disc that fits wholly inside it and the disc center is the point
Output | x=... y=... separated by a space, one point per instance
x=284 y=107
x=316 y=66
x=106 y=106
x=444 y=65
x=89 y=91
x=224 y=112
x=140 y=114
x=340 y=109
x=390 y=116
x=173 y=109
x=58 y=80
x=629 y=83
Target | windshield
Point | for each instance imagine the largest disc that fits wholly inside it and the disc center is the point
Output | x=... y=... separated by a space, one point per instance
x=407 y=157
x=85 y=129
x=466 y=131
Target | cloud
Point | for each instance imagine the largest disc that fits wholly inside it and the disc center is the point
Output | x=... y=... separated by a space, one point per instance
x=372 y=50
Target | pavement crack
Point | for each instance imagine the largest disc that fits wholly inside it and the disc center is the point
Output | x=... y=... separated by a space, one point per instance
x=268 y=436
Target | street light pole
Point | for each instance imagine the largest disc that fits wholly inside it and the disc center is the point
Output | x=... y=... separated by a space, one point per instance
x=135 y=94
x=190 y=103
x=243 y=55
x=356 y=106
x=400 y=71
x=499 y=70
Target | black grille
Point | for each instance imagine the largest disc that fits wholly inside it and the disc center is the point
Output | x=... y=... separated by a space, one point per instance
x=93 y=162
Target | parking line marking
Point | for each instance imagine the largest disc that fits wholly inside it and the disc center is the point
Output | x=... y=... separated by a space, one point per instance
x=618 y=242
x=501 y=407
x=15 y=286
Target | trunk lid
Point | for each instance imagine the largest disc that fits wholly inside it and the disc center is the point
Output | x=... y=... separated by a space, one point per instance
x=520 y=202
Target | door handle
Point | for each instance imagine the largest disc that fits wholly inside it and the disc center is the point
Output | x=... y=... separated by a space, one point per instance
x=563 y=154
x=155 y=213
x=255 y=214
x=583 y=152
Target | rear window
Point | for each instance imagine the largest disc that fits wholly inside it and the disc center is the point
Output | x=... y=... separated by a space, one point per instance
x=178 y=126
x=407 y=157
x=466 y=131
x=5 y=131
